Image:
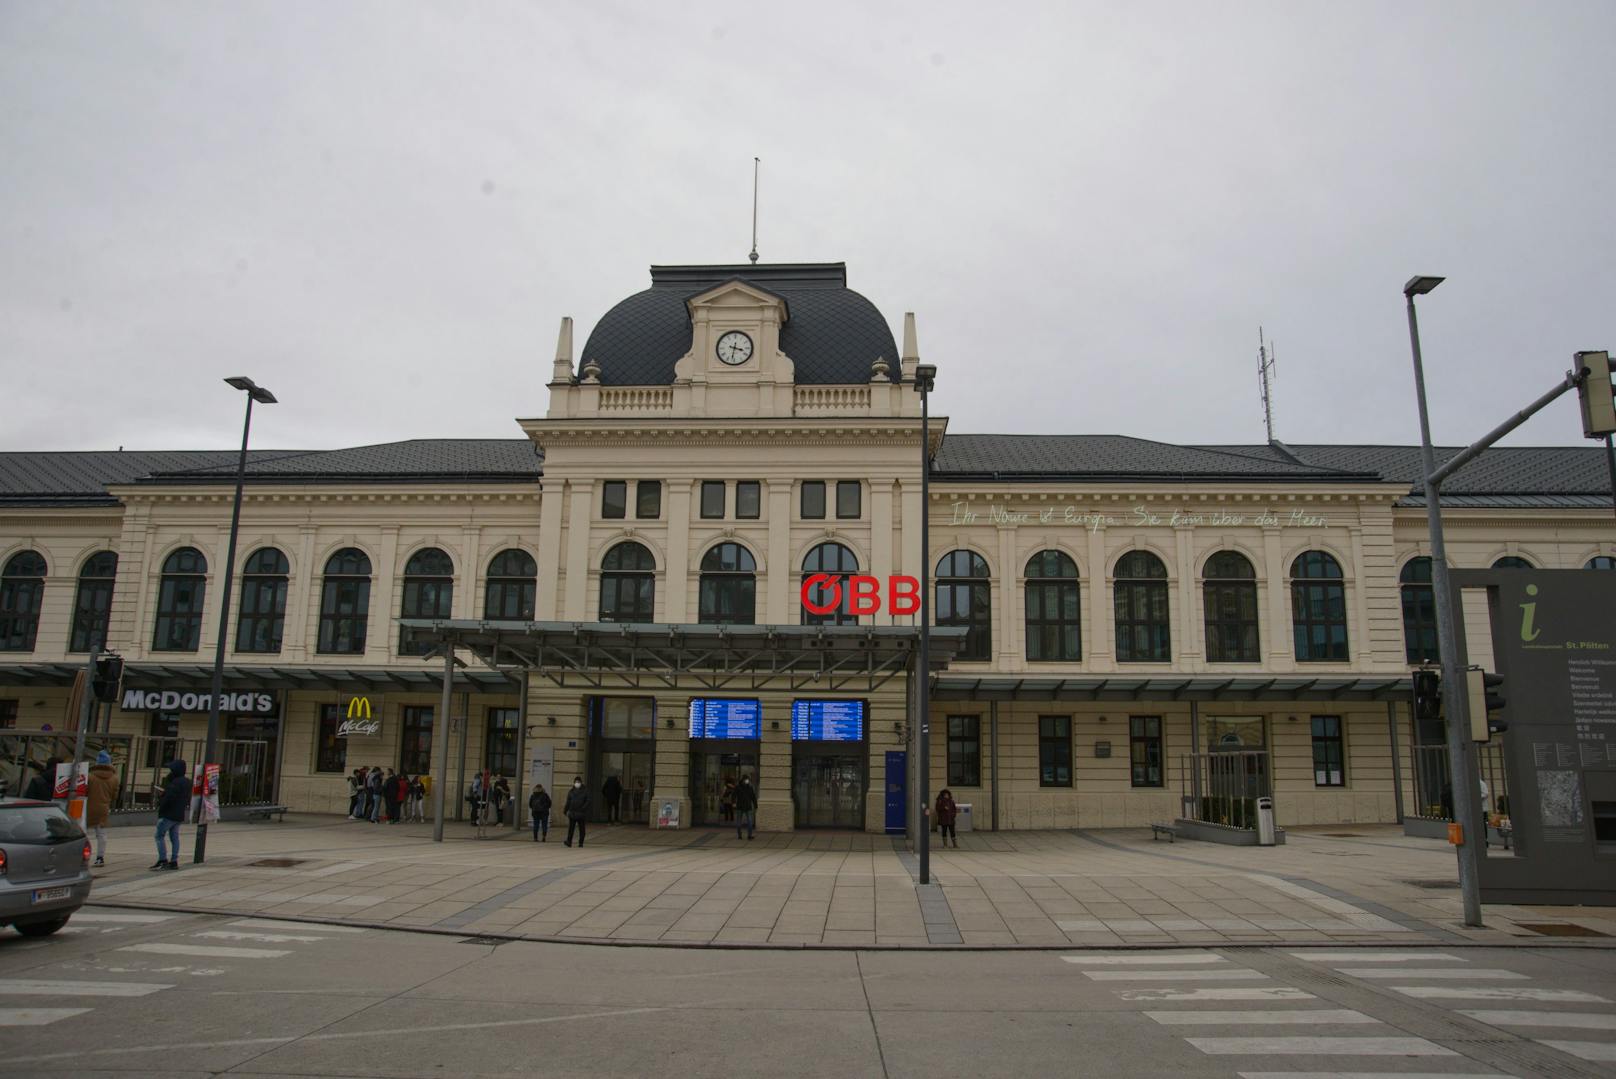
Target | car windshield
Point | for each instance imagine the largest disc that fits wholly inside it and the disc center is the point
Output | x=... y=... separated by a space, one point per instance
x=36 y=825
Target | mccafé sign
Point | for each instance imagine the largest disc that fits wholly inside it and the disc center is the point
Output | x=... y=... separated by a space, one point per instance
x=359 y=720
x=825 y=593
x=173 y=700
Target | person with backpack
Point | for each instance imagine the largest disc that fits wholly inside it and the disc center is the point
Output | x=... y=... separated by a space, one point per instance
x=745 y=808
x=538 y=805
x=171 y=807
x=577 y=810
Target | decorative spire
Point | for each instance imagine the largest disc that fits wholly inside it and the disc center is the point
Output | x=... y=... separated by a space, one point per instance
x=562 y=372
x=911 y=348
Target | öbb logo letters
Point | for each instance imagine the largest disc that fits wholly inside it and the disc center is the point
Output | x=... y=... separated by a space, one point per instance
x=824 y=593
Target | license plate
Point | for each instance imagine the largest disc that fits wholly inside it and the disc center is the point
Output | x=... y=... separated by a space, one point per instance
x=45 y=895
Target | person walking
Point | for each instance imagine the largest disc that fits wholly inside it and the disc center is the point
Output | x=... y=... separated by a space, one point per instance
x=502 y=798
x=417 y=810
x=356 y=793
x=577 y=810
x=475 y=796
x=945 y=813
x=538 y=805
x=745 y=808
x=613 y=791
x=103 y=784
x=373 y=795
x=171 y=807
x=726 y=801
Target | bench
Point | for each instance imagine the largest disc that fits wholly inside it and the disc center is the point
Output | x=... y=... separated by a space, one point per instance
x=265 y=812
x=1159 y=830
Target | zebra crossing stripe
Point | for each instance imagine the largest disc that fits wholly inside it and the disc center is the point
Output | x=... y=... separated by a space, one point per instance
x=1149 y=959
x=1584 y=1020
x=1375 y=957
x=1498 y=992
x=1309 y=1016
x=208 y=951
x=1230 y=992
x=22 y=987
x=264 y=938
x=1600 y=1052
x=36 y=1017
x=1362 y=1047
x=1232 y=974
x=1451 y=973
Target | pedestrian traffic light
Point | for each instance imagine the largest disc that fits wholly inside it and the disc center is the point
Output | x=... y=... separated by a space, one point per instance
x=1594 y=389
x=1427 y=695
x=1485 y=694
x=108 y=676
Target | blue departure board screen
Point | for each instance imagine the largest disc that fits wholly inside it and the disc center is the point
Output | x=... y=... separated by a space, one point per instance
x=827 y=721
x=718 y=717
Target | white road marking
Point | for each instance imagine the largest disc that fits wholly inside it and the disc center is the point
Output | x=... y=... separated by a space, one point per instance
x=1598 y=1051
x=210 y=951
x=1374 y=957
x=21 y=987
x=265 y=938
x=1498 y=992
x=1585 y=1020
x=36 y=1017
x=1144 y=959
x=1290 y=1016
x=1357 y=1047
x=1232 y=974
x=1236 y=992
x=133 y=919
x=1451 y=973
x=273 y=924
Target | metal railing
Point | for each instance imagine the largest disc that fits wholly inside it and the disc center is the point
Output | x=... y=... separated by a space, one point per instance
x=1223 y=787
x=1433 y=781
x=246 y=774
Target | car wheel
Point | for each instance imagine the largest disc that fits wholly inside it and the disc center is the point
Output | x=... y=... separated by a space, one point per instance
x=40 y=929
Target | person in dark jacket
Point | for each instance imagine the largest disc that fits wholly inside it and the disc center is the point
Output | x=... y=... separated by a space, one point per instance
x=392 y=796
x=576 y=809
x=171 y=807
x=946 y=811
x=42 y=788
x=745 y=808
x=613 y=791
x=538 y=805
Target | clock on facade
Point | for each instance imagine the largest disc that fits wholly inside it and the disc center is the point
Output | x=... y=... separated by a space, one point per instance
x=734 y=348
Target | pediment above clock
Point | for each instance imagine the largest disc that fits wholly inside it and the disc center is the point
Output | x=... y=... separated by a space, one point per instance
x=738 y=293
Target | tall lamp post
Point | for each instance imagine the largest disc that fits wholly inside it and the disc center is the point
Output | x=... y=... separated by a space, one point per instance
x=925 y=382
x=257 y=393
x=1462 y=772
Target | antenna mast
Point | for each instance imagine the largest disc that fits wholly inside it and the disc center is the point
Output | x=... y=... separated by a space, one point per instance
x=753 y=256
x=1267 y=373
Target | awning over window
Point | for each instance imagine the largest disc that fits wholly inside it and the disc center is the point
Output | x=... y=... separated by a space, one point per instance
x=1202 y=688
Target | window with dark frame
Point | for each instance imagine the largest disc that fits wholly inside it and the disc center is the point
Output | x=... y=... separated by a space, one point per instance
x=837 y=561
x=849 y=500
x=330 y=752
x=1054 y=751
x=1143 y=627
x=1054 y=622
x=163 y=732
x=513 y=579
x=648 y=500
x=965 y=598
x=1145 y=750
x=712 y=500
x=749 y=500
x=1600 y=561
x=92 y=607
x=1512 y=561
x=1318 y=608
x=415 y=739
x=614 y=500
x=1329 y=752
x=428 y=593
x=180 y=595
x=813 y=500
x=628 y=584
x=8 y=714
x=499 y=742
x=728 y=586
x=22 y=595
x=1419 y=611
x=1229 y=604
x=345 y=603
x=964 y=751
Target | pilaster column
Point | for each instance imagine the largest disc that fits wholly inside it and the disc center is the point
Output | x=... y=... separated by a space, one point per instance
x=781 y=572
x=1097 y=649
x=580 y=506
x=1281 y=651
x=547 y=596
x=672 y=780
x=676 y=578
x=881 y=540
x=775 y=808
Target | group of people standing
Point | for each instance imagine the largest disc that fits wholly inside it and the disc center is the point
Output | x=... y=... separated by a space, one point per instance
x=393 y=796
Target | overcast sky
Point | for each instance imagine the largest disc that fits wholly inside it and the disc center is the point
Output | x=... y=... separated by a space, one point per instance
x=382 y=210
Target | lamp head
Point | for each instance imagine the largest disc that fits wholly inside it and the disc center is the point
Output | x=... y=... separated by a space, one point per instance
x=1419 y=286
x=257 y=392
x=925 y=377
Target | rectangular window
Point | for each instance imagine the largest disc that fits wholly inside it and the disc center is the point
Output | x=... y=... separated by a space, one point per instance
x=964 y=751
x=648 y=500
x=8 y=714
x=1145 y=750
x=499 y=743
x=1329 y=753
x=848 y=501
x=415 y=740
x=749 y=500
x=712 y=499
x=1054 y=751
x=330 y=752
x=164 y=732
x=813 y=500
x=614 y=500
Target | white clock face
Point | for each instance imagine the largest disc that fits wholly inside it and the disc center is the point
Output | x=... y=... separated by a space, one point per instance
x=734 y=348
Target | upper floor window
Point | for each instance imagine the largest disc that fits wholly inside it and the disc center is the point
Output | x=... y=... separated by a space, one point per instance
x=713 y=495
x=628 y=584
x=749 y=500
x=648 y=500
x=965 y=598
x=965 y=751
x=92 y=607
x=428 y=593
x=1318 y=607
x=180 y=595
x=345 y=603
x=1054 y=624
x=614 y=499
x=1512 y=561
x=1419 y=611
x=262 y=619
x=513 y=579
x=1601 y=561
x=1229 y=599
x=22 y=591
x=813 y=500
x=849 y=499
x=1144 y=634
x=838 y=561
x=728 y=585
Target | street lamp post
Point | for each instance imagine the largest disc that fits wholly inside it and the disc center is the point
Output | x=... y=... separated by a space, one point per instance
x=1463 y=776
x=257 y=393
x=925 y=382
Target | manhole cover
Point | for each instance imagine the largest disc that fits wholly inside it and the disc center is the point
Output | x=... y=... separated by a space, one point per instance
x=277 y=863
x=1559 y=929
x=1343 y=835
x=492 y=942
x=1433 y=883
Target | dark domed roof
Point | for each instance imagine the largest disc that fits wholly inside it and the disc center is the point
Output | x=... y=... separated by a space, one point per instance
x=831 y=333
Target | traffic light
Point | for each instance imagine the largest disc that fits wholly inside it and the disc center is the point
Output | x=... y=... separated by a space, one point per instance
x=1485 y=694
x=108 y=676
x=1594 y=390
x=1427 y=695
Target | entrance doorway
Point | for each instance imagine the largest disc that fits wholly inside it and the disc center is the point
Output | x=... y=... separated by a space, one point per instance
x=829 y=791
x=622 y=746
x=634 y=778
x=715 y=769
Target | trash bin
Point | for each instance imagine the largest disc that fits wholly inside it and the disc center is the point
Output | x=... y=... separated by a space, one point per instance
x=962 y=819
x=1265 y=822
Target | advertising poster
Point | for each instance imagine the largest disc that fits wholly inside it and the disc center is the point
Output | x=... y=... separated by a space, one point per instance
x=205 y=795
x=77 y=801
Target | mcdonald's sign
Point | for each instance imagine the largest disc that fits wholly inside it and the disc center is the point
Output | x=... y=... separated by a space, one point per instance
x=360 y=720
x=358 y=707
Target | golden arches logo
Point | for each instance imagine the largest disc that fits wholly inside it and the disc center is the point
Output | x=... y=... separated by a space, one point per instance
x=359 y=708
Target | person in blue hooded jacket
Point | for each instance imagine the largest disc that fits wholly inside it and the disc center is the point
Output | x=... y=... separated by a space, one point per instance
x=171 y=808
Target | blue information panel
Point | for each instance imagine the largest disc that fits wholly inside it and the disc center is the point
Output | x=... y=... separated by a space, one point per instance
x=827 y=721
x=718 y=717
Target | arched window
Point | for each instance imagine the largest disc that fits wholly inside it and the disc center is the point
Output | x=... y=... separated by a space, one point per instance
x=345 y=603
x=838 y=561
x=262 y=620
x=728 y=585
x=628 y=584
x=1512 y=561
x=22 y=589
x=92 y=607
x=1419 y=611
x=1144 y=634
x=512 y=581
x=179 y=602
x=428 y=593
x=1054 y=631
x=1600 y=561
x=1229 y=600
x=1318 y=607
x=965 y=598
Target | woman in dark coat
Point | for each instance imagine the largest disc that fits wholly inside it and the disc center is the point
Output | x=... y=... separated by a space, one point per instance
x=538 y=806
x=576 y=809
x=946 y=812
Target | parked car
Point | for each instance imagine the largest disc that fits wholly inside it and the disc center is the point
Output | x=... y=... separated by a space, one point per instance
x=44 y=866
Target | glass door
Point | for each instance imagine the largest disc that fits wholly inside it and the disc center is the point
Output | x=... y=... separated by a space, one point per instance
x=829 y=792
x=633 y=772
x=713 y=777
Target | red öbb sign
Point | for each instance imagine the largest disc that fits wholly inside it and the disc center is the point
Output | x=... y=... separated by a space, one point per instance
x=824 y=593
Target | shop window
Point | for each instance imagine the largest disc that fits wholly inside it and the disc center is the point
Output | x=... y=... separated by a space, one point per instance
x=614 y=500
x=499 y=742
x=1144 y=633
x=163 y=739
x=1054 y=625
x=1145 y=750
x=712 y=499
x=1229 y=602
x=262 y=619
x=964 y=751
x=628 y=584
x=415 y=740
x=813 y=500
x=1318 y=608
x=1512 y=561
x=345 y=603
x=749 y=500
x=728 y=586
x=1329 y=753
x=1600 y=561
x=648 y=500
x=330 y=752
x=1419 y=611
x=1054 y=751
x=965 y=598
x=92 y=606
x=22 y=591
x=849 y=499
x=838 y=561
x=513 y=579
x=428 y=593
x=180 y=596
